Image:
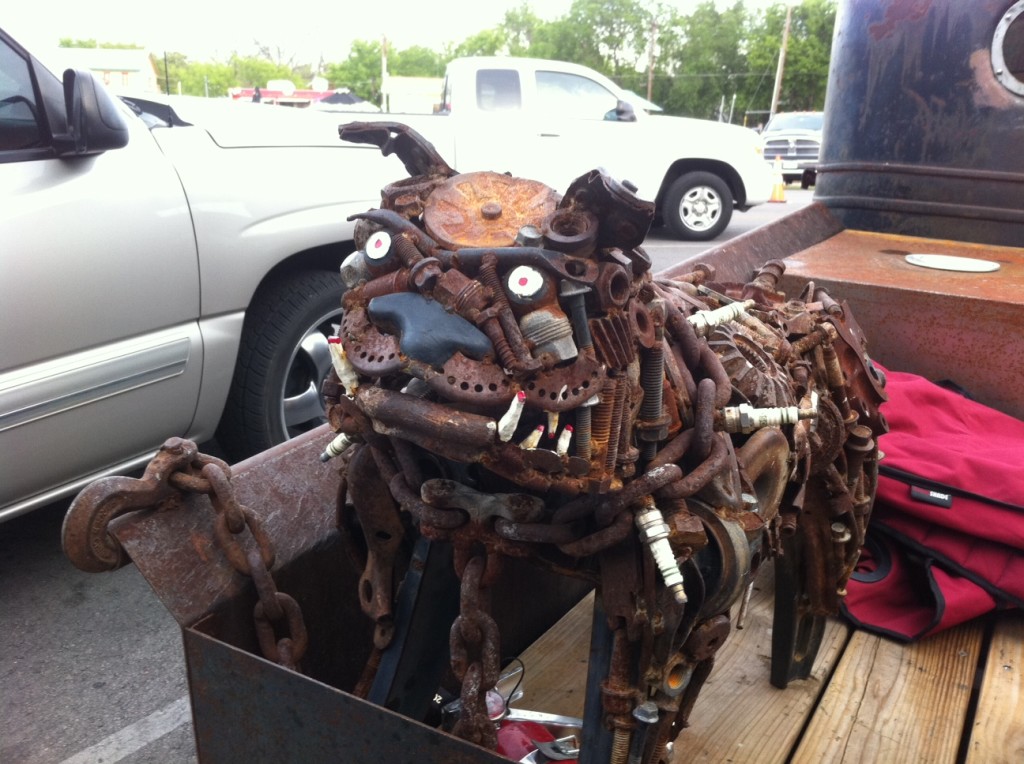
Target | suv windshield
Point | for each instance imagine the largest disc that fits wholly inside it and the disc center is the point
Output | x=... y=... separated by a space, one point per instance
x=806 y=121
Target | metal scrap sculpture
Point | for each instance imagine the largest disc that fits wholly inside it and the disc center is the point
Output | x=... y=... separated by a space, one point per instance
x=511 y=378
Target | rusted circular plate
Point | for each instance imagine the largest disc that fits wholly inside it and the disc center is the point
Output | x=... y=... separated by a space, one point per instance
x=486 y=209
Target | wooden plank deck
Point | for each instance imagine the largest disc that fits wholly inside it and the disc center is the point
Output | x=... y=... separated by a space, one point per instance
x=955 y=697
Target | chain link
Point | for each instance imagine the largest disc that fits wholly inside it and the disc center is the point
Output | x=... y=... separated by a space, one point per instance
x=280 y=626
x=475 y=656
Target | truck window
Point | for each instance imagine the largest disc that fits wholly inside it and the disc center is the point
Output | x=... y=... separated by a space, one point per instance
x=572 y=95
x=20 y=126
x=498 y=90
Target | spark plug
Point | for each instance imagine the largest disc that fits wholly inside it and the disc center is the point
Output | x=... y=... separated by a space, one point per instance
x=654 y=532
x=346 y=372
x=562 y=448
x=703 y=321
x=336 y=447
x=531 y=440
x=552 y=423
x=745 y=418
x=510 y=420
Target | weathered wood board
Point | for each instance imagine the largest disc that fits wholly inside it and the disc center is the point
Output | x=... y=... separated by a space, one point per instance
x=955 y=697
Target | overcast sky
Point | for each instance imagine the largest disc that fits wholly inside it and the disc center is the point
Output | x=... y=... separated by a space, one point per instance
x=208 y=30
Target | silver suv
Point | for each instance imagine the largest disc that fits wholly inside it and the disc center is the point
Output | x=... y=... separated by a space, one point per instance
x=165 y=269
x=794 y=138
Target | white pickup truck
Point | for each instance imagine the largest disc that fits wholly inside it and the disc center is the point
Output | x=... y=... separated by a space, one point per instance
x=553 y=121
x=164 y=270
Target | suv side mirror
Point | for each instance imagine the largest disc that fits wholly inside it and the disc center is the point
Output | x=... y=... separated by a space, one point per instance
x=624 y=112
x=95 y=123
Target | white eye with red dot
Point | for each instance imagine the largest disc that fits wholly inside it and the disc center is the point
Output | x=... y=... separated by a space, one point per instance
x=378 y=245
x=525 y=282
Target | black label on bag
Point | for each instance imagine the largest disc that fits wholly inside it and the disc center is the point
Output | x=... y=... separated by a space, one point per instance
x=937 y=498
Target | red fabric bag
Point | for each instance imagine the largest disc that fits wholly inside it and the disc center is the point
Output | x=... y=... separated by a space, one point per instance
x=946 y=538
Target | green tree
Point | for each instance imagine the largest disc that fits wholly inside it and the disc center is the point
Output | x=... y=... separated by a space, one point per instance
x=521 y=28
x=416 y=61
x=208 y=79
x=807 y=58
x=613 y=34
x=251 y=72
x=360 y=72
x=68 y=42
x=706 y=63
x=489 y=42
x=171 y=68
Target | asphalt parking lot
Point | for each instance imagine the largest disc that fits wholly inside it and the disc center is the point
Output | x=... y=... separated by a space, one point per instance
x=92 y=668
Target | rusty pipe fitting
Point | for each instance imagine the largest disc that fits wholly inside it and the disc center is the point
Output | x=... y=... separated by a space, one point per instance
x=389 y=283
x=701 y=272
x=767 y=278
x=407 y=413
x=819 y=334
x=571 y=231
x=764 y=460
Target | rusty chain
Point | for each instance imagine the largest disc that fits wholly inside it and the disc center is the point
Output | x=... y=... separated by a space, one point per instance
x=475 y=656
x=177 y=469
x=276 y=613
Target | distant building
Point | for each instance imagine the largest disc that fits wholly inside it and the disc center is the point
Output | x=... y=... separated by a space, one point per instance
x=121 y=70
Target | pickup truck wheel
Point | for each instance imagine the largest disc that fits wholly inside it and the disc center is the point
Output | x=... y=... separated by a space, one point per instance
x=698 y=206
x=282 y=362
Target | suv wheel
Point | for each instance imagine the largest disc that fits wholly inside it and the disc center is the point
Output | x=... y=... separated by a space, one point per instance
x=698 y=206
x=282 y=362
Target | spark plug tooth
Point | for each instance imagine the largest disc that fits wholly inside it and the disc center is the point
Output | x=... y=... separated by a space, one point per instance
x=510 y=419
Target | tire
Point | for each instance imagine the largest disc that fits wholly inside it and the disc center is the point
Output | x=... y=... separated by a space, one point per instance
x=698 y=206
x=282 y=362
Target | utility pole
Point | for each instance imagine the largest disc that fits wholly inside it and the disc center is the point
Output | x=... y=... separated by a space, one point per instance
x=782 y=62
x=650 y=59
x=384 y=74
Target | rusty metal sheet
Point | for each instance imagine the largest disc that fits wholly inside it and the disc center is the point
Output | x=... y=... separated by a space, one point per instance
x=968 y=327
x=287 y=486
x=247 y=708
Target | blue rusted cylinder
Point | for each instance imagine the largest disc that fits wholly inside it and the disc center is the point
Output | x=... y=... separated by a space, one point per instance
x=924 y=119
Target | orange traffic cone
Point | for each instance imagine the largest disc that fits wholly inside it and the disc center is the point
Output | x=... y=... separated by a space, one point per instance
x=779 y=185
